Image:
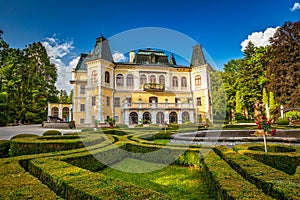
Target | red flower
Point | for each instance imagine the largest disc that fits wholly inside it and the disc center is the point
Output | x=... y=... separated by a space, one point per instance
x=258 y=126
x=273 y=132
x=264 y=117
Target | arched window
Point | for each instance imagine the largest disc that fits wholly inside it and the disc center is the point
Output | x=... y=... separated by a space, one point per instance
x=54 y=112
x=173 y=117
x=198 y=81
x=146 y=118
x=152 y=79
x=185 y=117
x=106 y=77
x=175 y=81
x=162 y=79
x=143 y=79
x=94 y=77
x=160 y=118
x=183 y=82
x=129 y=80
x=120 y=80
x=133 y=118
x=65 y=112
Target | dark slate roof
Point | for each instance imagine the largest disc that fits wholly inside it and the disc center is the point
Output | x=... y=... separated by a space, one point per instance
x=102 y=50
x=149 y=56
x=81 y=66
x=198 y=58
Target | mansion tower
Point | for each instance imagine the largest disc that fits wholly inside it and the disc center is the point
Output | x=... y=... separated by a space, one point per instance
x=150 y=88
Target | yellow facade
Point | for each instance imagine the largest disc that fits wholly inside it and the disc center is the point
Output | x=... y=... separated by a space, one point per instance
x=147 y=89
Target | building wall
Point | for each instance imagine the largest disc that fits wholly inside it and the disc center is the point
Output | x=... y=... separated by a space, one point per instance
x=98 y=92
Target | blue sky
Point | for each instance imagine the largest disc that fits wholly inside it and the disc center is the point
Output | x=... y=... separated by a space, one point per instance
x=72 y=26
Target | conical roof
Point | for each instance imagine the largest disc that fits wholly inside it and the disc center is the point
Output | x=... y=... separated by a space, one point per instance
x=198 y=58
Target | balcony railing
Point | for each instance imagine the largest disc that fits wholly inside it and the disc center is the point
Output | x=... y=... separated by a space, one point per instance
x=154 y=87
x=158 y=106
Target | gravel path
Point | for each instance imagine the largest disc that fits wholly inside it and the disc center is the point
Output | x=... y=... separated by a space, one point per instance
x=8 y=132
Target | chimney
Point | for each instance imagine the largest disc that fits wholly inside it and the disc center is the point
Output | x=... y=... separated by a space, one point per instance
x=131 y=56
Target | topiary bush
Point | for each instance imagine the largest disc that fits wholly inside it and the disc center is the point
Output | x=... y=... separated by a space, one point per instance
x=52 y=132
x=24 y=135
x=283 y=122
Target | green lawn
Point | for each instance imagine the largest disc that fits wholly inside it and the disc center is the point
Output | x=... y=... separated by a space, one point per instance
x=177 y=182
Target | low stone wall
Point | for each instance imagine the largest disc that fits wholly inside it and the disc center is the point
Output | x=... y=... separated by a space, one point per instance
x=66 y=125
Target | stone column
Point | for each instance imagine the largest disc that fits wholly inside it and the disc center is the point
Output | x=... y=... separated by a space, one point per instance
x=167 y=117
x=179 y=117
x=60 y=111
x=192 y=114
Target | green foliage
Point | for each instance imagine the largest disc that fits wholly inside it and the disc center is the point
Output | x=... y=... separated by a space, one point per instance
x=283 y=122
x=122 y=126
x=272 y=104
x=240 y=117
x=238 y=102
x=279 y=185
x=24 y=135
x=294 y=115
x=283 y=71
x=226 y=183
x=265 y=99
x=52 y=132
x=218 y=95
x=4 y=148
x=27 y=83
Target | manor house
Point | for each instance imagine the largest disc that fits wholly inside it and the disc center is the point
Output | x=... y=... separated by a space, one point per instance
x=150 y=88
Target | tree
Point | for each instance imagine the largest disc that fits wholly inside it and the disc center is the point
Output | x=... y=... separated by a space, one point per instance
x=238 y=102
x=265 y=96
x=218 y=95
x=272 y=104
x=283 y=72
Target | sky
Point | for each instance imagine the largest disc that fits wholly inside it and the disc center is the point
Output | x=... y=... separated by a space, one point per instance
x=68 y=28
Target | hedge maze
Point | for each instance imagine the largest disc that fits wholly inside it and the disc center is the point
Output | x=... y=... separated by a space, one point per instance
x=56 y=166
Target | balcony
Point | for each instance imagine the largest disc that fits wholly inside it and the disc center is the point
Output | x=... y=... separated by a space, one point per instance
x=154 y=87
x=158 y=106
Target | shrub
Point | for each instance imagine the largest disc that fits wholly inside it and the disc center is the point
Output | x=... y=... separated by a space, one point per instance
x=4 y=148
x=283 y=122
x=240 y=117
x=25 y=135
x=122 y=125
x=52 y=132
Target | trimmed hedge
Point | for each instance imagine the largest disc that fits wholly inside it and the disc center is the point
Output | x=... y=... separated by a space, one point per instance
x=24 y=135
x=35 y=145
x=4 y=148
x=16 y=183
x=281 y=157
x=283 y=122
x=71 y=182
x=226 y=183
x=272 y=181
x=52 y=132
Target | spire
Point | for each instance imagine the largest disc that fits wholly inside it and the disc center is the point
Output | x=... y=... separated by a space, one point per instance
x=172 y=60
x=198 y=58
x=102 y=49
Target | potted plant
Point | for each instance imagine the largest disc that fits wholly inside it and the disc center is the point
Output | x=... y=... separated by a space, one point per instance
x=111 y=122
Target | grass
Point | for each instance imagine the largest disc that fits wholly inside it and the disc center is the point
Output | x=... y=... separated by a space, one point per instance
x=176 y=182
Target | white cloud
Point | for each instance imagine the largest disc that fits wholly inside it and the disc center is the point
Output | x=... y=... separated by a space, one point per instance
x=119 y=57
x=259 y=38
x=56 y=51
x=295 y=7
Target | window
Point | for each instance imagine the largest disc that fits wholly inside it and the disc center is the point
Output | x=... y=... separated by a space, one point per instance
x=81 y=121
x=120 y=80
x=183 y=82
x=93 y=101
x=82 y=89
x=152 y=79
x=198 y=80
x=143 y=79
x=198 y=103
x=66 y=112
x=82 y=107
x=54 y=112
x=175 y=81
x=162 y=79
x=117 y=101
x=94 y=77
x=107 y=101
x=106 y=77
x=116 y=118
x=129 y=80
